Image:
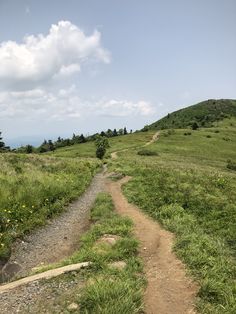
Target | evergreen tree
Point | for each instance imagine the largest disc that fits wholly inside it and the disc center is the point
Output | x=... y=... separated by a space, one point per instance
x=115 y=132
x=109 y=133
x=82 y=139
x=2 y=144
x=51 y=146
x=29 y=149
x=125 y=131
x=103 y=133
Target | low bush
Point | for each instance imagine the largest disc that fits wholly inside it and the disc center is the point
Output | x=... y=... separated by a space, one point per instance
x=231 y=165
x=147 y=152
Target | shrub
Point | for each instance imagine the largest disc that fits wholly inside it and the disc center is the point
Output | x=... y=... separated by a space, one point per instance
x=147 y=152
x=231 y=165
x=195 y=126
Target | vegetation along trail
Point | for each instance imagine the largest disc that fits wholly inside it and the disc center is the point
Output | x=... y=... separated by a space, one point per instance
x=57 y=239
x=168 y=288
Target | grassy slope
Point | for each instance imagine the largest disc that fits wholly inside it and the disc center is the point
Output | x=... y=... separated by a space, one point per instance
x=34 y=188
x=204 y=113
x=189 y=189
x=116 y=144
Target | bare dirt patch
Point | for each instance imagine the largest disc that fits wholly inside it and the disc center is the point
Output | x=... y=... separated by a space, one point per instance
x=169 y=290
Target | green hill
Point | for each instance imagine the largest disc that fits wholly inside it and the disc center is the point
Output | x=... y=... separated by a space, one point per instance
x=204 y=114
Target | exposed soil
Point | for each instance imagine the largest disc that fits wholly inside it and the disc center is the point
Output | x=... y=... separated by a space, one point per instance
x=154 y=139
x=55 y=241
x=169 y=290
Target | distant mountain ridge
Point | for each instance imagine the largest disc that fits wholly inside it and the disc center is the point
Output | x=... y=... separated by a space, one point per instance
x=204 y=114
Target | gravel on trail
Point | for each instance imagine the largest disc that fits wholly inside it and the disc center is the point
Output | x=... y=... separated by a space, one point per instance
x=47 y=296
x=56 y=240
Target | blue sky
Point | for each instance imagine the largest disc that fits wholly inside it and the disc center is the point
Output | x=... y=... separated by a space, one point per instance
x=109 y=64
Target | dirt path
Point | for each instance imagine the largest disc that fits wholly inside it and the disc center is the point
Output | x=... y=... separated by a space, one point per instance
x=114 y=155
x=169 y=291
x=58 y=239
x=154 y=139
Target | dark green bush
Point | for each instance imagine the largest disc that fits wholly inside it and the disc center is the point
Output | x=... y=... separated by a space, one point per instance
x=231 y=165
x=147 y=152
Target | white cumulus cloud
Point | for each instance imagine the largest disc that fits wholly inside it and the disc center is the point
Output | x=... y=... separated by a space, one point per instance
x=42 y=57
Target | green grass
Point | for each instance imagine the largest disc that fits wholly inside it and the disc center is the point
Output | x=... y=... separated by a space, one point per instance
x=34 y=188
x=189 y=188
x=116 y=144
x=108 y=290
x=205 y=114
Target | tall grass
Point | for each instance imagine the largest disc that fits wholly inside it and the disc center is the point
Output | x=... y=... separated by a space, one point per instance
x=34 y=188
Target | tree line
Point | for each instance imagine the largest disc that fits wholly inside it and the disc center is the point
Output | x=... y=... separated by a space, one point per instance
x=50 y=145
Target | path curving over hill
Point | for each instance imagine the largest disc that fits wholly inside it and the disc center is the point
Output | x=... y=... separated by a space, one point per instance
x=169 y=290
x=155 y=137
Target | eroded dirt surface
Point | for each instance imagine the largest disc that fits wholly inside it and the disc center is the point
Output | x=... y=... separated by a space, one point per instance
x=169 y=290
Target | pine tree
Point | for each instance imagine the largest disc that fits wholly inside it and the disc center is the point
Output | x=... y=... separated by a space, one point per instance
x=82 y=139
x=125 y=131
x=2 y=144
x=51 y=146
x=115 y=132
x=29 y=149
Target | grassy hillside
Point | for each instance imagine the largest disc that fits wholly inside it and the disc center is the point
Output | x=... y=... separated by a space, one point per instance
x=186 y=184
x=204 y=114
x=34 y=188
x=116 y=144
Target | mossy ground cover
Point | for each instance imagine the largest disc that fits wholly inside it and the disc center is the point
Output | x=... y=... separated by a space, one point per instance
x=107 y=289
x=191 y=191
x=34 y=188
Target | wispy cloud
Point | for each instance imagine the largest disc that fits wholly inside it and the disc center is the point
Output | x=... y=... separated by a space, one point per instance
x=66 y=104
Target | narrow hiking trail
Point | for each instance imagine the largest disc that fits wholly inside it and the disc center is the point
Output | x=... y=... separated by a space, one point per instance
x=154 y=139
x=114 y=155
x=169 y=290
